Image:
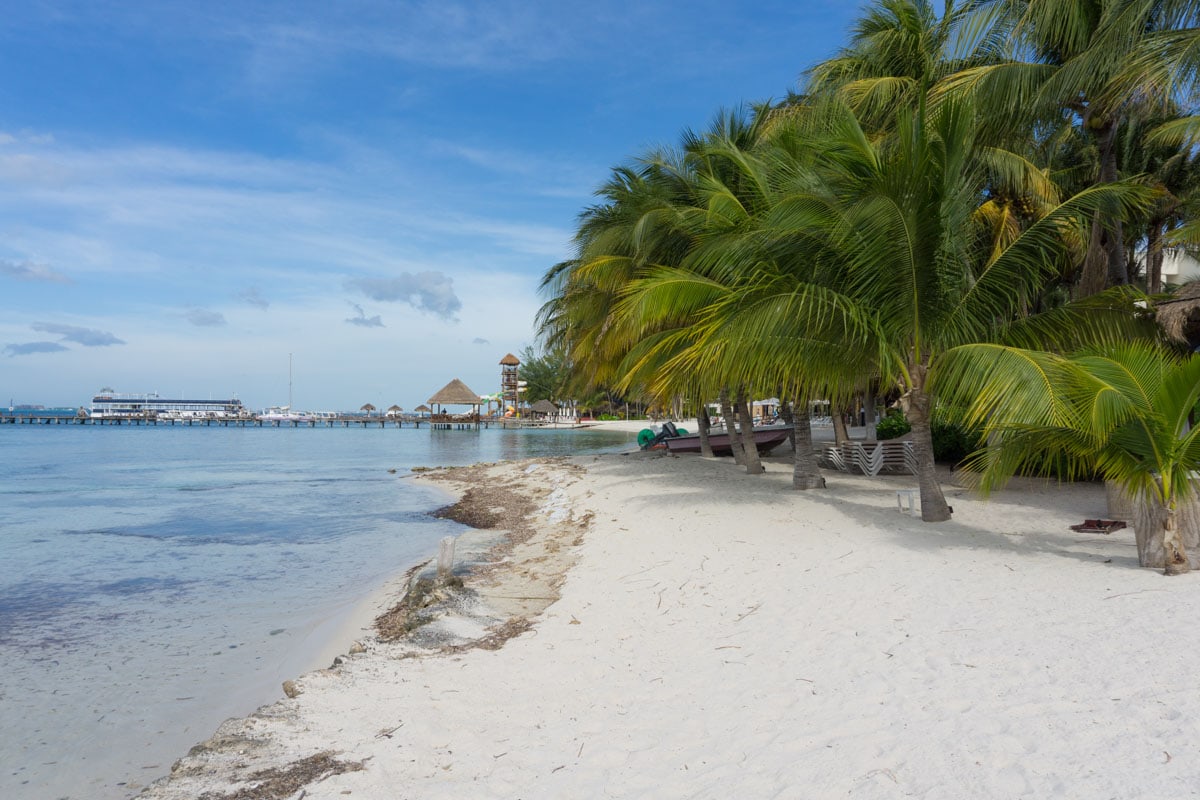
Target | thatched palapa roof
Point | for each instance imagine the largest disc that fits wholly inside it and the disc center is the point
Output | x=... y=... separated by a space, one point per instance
x=455 y=393
x=1179 y=316
x=544 y=407
x=422 y=408
x=509 y=361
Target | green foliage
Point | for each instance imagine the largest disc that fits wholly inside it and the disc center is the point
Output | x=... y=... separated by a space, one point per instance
x=1120 y=412
x=953 y=442
x=892 y=426
x=545 y=374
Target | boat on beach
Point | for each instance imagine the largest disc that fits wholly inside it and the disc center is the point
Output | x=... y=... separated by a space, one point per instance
x=767 y=438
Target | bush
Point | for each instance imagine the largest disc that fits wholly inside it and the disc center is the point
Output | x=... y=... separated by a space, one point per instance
x=892 y=425
x=952 y=443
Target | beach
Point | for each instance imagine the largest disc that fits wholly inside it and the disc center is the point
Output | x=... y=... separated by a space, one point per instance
x=647 y=625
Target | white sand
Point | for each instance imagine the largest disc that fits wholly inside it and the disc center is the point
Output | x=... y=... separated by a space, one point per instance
x=722 y=636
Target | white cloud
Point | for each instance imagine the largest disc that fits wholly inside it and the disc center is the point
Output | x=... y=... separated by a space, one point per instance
x=88 y=337
x=254 y=297
x=29 y=271
x=362 y=320
x=426 y=291
x=203 y=318
x=31 y=348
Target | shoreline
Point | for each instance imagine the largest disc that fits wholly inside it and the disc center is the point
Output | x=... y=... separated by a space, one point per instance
x=710 y=634
x=484 y=618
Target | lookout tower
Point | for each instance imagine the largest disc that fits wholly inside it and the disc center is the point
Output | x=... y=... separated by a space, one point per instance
x=509 y=387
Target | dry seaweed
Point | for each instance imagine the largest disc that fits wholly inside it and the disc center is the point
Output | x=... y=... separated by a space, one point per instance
x=278 y=783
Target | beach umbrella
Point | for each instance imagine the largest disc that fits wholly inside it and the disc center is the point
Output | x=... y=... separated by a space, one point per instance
x=367 y=407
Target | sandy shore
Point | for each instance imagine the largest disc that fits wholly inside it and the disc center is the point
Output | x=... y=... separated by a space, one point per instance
x=656 y=626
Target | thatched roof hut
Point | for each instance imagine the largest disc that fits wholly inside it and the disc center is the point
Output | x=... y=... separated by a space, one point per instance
x=509 y=361
x=455 y=393
x=1179 y=315
x=367 y=407
x=544 y=407
x=422 y=409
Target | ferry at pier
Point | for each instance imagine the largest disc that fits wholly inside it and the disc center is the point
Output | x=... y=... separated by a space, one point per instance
x=115 y=405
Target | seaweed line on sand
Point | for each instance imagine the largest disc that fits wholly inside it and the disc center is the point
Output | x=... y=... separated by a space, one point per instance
x=277 y=783
x=504 y=498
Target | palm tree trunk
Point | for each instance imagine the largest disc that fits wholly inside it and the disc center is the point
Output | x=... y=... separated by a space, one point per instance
x=1177 y=560
x=749 y=448
x=702 y=425
x=1114 y=235
x=1165 y=534
x=788 y=416
x=735 y=444
x=840 y=434
x=869 y=406
x=1095 y=263
x=1105 y=264
x=806 y=473
x=917 y=406
x=1154 y=257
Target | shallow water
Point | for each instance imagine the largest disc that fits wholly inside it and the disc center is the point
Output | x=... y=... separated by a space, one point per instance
x=156 y=581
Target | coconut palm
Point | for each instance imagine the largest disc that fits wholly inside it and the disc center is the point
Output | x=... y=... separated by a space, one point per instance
x=1173 y=169
x=653 y=218
x=898 y=50
x=1096 y=62
x=1123 y=412
x=898 y=266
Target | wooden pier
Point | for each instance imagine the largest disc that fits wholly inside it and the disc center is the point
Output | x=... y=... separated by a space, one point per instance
x=11 y=418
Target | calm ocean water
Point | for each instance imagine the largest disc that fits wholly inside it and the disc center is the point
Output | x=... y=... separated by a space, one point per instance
x=156 y=581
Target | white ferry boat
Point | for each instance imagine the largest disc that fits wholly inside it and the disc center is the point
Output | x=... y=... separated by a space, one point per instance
x=107 y=405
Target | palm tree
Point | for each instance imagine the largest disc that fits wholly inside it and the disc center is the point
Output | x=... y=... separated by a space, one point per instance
x=1123 y=412
x=1173 y=169
x=899 y=267
x=654 y=218
x=898 y=50
x=1094 y=62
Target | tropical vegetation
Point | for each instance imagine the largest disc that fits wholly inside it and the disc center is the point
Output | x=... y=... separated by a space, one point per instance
x=1125 y=412
x=953 y=179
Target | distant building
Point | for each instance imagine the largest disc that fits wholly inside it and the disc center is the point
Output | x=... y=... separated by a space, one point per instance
x=1178 y=266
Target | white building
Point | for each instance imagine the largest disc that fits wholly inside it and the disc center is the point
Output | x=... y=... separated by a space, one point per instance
x=1178 y=267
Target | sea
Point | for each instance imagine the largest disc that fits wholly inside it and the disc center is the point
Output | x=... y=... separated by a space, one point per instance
x=155 y=581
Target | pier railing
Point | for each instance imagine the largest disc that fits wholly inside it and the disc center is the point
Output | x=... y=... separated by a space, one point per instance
x=434 y=421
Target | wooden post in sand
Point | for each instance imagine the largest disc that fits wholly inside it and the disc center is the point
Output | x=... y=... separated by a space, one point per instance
x=445 y=562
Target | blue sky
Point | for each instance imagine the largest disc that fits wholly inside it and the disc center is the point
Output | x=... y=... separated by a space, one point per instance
x=190 y=191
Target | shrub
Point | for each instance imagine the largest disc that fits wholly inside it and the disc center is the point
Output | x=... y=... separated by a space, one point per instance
x=952 y=442
x=892 y=425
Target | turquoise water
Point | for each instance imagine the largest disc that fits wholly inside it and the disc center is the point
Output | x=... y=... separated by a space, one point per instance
x=156 y=581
